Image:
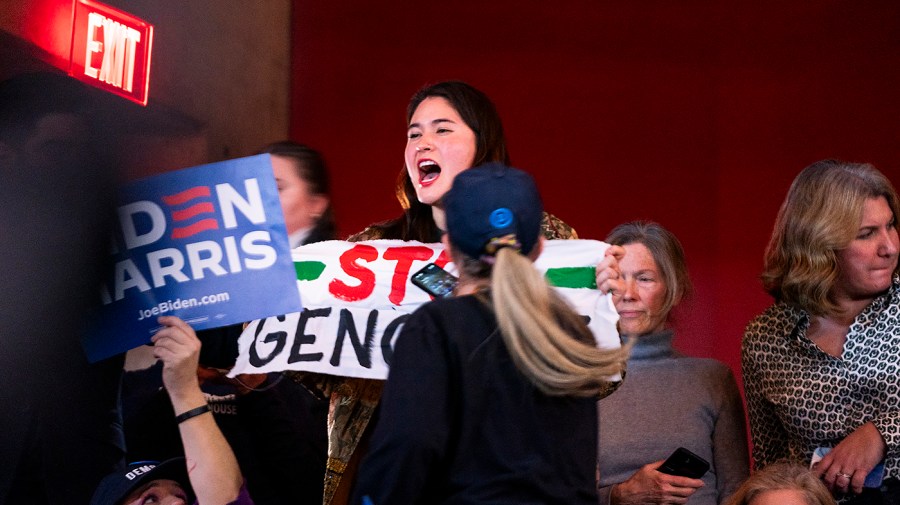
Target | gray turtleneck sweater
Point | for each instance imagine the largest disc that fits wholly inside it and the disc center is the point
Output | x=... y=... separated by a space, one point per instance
x=669 y=400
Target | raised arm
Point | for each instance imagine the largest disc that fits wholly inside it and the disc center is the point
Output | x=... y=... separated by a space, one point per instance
x=212 y=466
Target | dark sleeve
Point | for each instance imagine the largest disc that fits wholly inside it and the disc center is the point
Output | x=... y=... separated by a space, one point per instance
x=409 y=444
x=730 y=454
x=148 y=419
x=286 y=427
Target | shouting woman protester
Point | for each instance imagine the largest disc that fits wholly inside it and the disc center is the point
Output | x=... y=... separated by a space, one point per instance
x=451 y=127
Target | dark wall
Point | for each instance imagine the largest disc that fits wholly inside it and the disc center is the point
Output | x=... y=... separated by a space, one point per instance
x=693 y=114
x=219 y=74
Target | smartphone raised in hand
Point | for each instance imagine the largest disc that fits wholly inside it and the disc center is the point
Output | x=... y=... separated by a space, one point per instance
x=435 y=281
x=684 y=463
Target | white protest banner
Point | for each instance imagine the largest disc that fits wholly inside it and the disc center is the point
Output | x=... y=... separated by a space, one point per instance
x=356 y=297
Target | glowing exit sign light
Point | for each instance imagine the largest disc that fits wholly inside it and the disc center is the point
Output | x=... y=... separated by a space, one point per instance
x=111 y=50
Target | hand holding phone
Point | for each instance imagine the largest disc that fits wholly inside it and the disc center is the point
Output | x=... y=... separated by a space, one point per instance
x=435 y=281
x=684 y=463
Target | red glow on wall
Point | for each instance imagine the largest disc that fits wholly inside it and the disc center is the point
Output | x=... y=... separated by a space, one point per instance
x=45 y=23
x=111 y=50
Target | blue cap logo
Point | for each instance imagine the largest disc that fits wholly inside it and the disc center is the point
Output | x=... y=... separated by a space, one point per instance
x=501 y=218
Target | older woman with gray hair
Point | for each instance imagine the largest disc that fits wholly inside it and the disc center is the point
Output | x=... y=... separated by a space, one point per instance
x=667 y=400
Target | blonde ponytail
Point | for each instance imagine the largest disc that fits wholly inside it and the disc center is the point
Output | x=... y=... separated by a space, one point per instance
x=537 y=326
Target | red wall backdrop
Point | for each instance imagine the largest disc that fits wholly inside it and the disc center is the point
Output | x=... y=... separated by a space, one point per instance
x=694 y=114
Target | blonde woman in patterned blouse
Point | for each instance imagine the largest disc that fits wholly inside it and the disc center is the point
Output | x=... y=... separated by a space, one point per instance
x=822 y=365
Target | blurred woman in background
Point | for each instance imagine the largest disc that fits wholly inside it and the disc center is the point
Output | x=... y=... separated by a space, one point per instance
x=303 y=188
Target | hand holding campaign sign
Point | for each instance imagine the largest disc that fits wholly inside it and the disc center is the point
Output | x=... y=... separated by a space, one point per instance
x=358 y=295
x=207 y=244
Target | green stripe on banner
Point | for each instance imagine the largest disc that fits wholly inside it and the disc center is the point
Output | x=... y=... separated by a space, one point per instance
x=572 y=277
x=308 y=270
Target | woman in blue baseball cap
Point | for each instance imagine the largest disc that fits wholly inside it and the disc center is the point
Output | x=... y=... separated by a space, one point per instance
x=492 y=393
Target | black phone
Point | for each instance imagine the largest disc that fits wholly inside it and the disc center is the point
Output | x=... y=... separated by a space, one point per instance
x=684 y=463
x=435 y=281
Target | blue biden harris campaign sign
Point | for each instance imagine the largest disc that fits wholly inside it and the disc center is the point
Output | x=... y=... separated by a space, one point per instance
x=207 y=244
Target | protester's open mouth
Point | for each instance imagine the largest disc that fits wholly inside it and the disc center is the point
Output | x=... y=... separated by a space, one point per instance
x=429 y=171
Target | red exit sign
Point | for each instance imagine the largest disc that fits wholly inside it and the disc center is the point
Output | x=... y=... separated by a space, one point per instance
x=111 y=50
